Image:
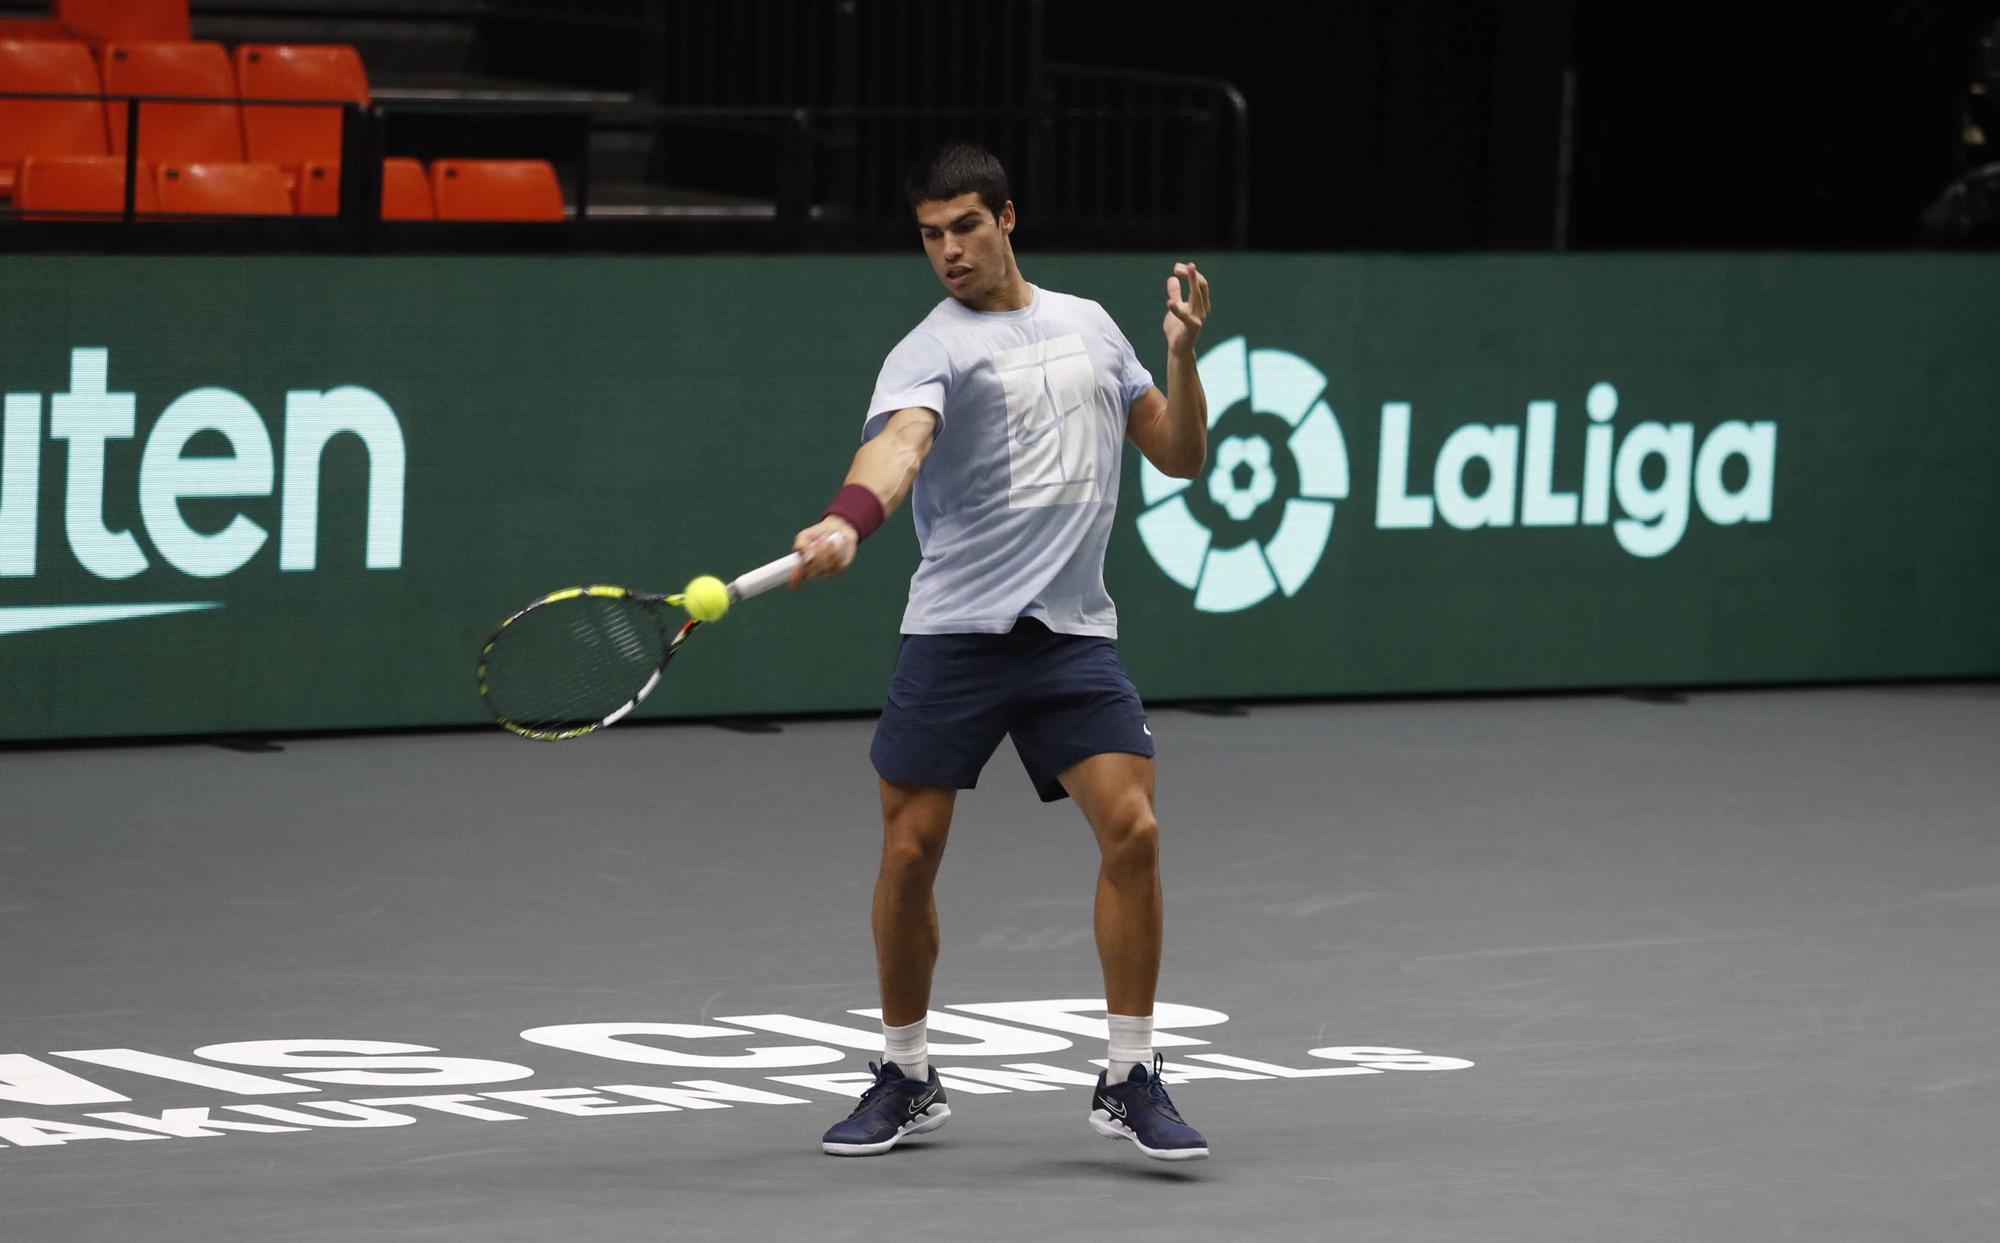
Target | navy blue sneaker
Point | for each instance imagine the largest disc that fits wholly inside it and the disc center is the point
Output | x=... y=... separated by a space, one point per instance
x=1139 y=1110
x=892 y=1107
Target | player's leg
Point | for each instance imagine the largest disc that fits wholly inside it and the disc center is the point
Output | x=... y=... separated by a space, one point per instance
x=945 y=713
x=1114 y=790
x=1082 y=731
x=1115 y=793
x=944 y=716
x=916 y=820
x=906 y=1097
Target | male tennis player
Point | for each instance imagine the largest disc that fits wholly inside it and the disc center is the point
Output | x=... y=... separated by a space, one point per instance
x=1005 y=411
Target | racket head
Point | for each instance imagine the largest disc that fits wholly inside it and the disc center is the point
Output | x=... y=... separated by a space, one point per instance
x=571 y=662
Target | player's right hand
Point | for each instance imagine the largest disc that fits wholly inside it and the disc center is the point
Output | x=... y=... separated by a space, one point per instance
x=825 y=549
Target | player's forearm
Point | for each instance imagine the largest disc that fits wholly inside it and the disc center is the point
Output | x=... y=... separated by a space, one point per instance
x=887 y=465
x=1187 y=413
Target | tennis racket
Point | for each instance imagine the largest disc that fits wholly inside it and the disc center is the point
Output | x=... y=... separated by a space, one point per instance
x=576 y=660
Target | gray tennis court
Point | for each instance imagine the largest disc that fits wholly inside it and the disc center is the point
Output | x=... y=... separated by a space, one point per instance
x=1722 y=969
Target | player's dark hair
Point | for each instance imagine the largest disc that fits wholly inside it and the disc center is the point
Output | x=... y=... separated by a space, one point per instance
x=959 y=168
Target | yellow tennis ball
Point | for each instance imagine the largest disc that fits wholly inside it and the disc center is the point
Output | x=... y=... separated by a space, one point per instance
x=707 y=599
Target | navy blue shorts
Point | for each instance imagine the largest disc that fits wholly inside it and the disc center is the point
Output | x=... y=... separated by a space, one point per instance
x=1063 y=698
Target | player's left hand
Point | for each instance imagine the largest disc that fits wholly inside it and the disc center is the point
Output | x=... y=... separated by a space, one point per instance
x=1185 y=316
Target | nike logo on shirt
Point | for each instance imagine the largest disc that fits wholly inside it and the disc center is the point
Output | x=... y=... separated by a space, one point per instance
x=1029 y=435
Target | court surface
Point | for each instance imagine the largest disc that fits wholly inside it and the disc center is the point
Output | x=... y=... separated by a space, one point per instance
x=1723 y=969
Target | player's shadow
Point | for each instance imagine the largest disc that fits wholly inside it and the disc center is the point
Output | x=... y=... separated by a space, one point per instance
x=1073 y=1168
x=1093 y=1169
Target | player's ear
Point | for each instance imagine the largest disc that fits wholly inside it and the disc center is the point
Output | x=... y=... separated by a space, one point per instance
x=1007 y=216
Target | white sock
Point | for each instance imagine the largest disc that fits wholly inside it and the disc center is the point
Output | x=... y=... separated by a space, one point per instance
x=1131 y=1045
x=909 y=1048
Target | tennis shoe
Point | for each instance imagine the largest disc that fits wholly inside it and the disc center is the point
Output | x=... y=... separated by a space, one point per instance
x=893 y=1106
x=1140 y=1110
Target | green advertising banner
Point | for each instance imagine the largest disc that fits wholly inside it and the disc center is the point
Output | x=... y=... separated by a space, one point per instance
x=259 y=494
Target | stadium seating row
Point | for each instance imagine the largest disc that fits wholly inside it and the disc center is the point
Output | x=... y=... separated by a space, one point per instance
x=82 y=187
x=208 y=132
x=82 y=118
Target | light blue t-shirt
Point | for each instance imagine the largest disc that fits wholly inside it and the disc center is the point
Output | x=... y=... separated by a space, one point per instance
x=1015 y=503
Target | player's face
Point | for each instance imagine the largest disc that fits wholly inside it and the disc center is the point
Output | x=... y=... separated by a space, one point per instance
x=967 y=245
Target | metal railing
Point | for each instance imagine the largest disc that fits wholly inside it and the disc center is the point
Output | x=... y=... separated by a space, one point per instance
x=1127 y=175
x=1145 y=161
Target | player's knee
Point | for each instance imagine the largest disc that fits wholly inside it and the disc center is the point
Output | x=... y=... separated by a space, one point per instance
x=1132 y=844
x=910 y=852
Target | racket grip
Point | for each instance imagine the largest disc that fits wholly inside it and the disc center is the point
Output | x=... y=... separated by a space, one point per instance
x=762 y=579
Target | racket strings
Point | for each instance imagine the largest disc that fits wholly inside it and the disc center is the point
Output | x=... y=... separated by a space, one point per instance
x=572 y=663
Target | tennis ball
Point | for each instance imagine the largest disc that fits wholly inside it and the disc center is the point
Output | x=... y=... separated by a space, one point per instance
x=707 y=599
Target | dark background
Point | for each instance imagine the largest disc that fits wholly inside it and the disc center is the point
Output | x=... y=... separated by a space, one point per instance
x=1436 y=124
x=1413 y=125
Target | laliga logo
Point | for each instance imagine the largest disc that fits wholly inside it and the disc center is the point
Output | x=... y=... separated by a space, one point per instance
x=1225 y=540
x=1233 y=543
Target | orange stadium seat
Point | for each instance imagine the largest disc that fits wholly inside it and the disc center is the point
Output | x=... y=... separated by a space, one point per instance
x=224 y=190
x=193 y=133
x=514 y=190
x=33 y=28
x=296 y=136
x=319 y=189
x=81 y=187
x=47 y=127
x=126 y=21
x=406 y=190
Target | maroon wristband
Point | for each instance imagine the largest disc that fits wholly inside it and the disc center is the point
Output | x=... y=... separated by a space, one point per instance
x=858 y=505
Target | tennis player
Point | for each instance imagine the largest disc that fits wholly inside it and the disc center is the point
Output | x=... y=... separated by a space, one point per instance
x=1002 y=415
